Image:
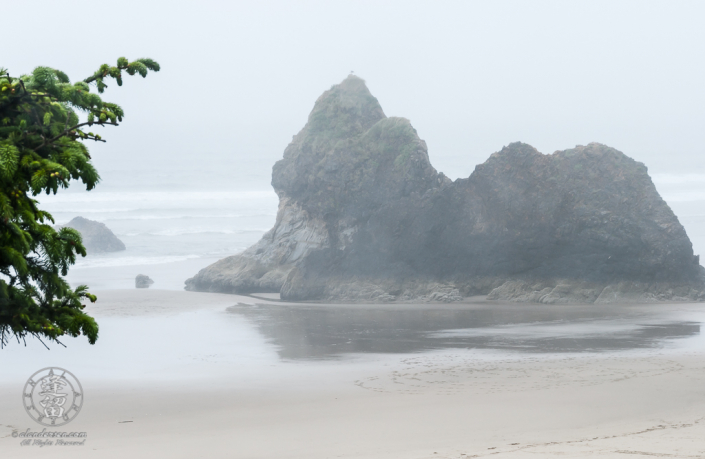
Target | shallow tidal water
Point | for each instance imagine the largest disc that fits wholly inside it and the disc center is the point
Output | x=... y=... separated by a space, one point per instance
x=333 y=332
x=263 y=345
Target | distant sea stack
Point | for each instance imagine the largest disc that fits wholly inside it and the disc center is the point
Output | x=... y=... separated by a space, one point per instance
x=363 y=216
x=97 y=238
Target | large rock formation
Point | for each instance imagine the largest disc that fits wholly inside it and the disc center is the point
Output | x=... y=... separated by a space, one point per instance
x=97 y=238
x=364 y=216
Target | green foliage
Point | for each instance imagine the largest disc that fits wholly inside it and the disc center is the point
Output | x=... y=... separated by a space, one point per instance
x=42 y=150
x=141 y=66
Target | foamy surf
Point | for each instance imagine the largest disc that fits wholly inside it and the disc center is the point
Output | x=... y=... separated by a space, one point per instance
x=103 y=261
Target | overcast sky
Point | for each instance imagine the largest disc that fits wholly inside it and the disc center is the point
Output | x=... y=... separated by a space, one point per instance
x=238 y=79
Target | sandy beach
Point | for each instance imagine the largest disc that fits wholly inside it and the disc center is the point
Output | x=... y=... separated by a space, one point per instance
x=184 y=392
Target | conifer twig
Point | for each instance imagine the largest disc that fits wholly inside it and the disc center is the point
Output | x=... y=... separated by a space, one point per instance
x=68 y=130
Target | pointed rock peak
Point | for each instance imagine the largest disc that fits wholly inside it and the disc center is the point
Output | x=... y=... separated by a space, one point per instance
x=352 y=87
x=354 y=82
x=346 y=110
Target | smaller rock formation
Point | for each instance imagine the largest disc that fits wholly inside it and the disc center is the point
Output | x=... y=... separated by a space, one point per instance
x=143 y=281
x=97 y=238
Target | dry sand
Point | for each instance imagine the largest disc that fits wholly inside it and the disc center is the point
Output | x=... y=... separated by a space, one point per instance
x=429 y=405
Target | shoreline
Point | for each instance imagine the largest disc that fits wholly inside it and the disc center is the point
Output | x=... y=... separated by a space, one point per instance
x=441 y=404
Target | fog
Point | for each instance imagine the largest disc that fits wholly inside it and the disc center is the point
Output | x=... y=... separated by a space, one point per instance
x=238 y=79
x=186 y=183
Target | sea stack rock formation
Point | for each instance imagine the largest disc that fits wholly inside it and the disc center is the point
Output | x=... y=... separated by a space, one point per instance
x=363 y=216
x=97 y=238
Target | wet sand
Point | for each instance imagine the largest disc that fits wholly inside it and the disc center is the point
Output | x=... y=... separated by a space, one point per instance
x=190 y=375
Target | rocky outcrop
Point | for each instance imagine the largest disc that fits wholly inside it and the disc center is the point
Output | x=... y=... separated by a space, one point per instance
x=97 y=238
x=364 y=216
x=143 y=281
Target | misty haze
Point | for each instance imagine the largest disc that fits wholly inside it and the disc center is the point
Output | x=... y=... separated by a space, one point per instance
x=352 y=229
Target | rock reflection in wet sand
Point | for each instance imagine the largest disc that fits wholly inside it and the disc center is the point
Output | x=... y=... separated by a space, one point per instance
x=328 y=332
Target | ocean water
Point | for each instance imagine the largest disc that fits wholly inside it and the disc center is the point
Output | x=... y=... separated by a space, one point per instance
x=176 y=221
x=173 y=222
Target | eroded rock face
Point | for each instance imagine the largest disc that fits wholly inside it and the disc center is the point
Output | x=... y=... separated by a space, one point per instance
x=97 y=238
x=364 y=216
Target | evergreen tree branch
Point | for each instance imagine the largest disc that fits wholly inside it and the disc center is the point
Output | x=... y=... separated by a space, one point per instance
x=139 y=66
x=67 y=132
x=42 y=150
